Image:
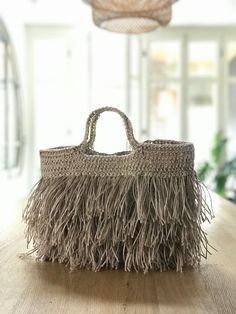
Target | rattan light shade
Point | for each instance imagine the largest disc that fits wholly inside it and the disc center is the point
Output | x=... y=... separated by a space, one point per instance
x=131 y=16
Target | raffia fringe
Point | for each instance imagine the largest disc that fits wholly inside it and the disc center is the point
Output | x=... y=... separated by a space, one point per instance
x=139 y=223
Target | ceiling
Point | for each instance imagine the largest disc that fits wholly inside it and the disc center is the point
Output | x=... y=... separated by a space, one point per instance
x=204 y=12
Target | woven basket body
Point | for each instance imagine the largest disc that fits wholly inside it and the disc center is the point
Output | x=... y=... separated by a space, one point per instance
x=137 y=210
x=131 y=16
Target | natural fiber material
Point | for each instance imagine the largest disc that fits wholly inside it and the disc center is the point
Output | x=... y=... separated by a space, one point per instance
x=140 y=210
x=131 y=16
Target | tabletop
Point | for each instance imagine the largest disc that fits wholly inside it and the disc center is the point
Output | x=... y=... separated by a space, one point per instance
x=29 y=286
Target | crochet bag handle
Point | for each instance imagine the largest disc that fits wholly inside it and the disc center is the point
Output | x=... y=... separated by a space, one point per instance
x=90 y=131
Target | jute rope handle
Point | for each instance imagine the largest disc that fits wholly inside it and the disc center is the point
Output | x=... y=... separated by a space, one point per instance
x=90 y=130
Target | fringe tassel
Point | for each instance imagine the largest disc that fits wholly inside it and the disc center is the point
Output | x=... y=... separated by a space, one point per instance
x=138 y=223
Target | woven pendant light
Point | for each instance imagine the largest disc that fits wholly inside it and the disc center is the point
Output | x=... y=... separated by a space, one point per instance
x=131 y=16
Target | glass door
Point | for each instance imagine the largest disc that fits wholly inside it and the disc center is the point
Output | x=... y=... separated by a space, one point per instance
x=182 y=85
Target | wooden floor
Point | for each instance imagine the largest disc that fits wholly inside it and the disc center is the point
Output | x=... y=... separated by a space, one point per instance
x=28 y=287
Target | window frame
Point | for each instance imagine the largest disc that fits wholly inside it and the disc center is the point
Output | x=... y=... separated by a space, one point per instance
x=9 y=54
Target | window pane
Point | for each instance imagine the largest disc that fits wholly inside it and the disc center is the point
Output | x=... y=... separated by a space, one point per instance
x=13 y=140
x=231 y=58
x=10 y=135
x=10 y=73
x=165 y=59
x=165 y=100
x=202 y=117
x=232 y=121
x=134 y=56
x=203 y=58
x=2 y=58
x=2 y=128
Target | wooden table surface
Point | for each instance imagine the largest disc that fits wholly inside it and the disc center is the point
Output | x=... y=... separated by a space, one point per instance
x=27 y=286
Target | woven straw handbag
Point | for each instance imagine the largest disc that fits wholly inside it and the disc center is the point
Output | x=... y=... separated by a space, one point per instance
x=137 y=210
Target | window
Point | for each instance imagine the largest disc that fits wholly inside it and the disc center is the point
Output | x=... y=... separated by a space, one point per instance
x=202 y=58
x=10 y=122
x=187 y=84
